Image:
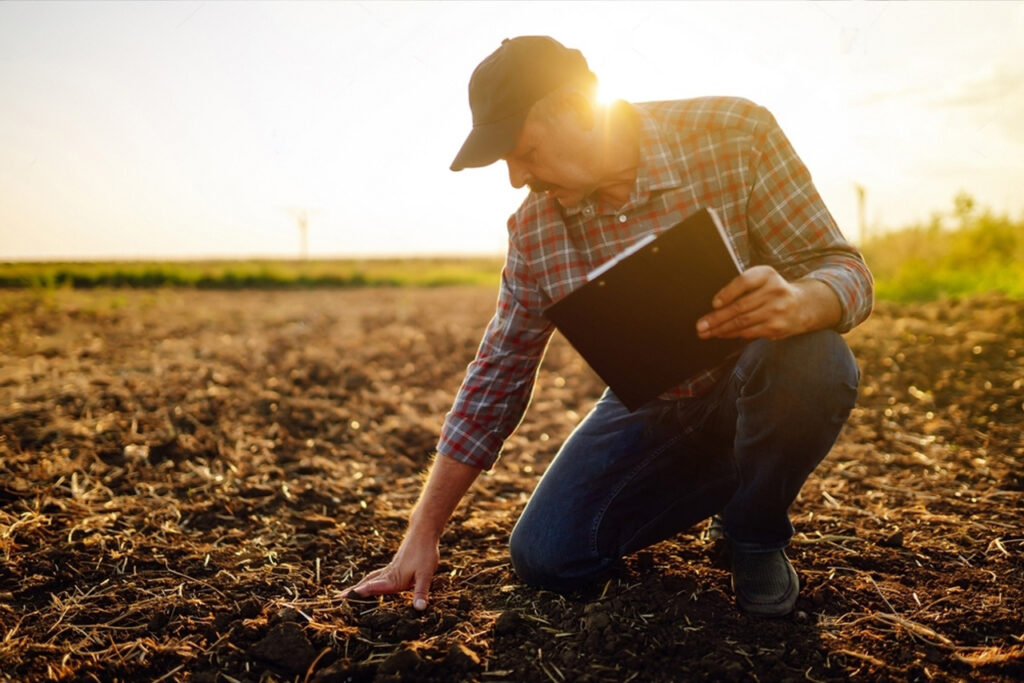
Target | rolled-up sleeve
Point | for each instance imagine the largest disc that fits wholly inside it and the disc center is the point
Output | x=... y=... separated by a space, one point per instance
x=792 y=230
x=499 y=382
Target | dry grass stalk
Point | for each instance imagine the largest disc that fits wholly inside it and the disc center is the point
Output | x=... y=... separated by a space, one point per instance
x=873 y=661
x=914 y=628
x=992 y=655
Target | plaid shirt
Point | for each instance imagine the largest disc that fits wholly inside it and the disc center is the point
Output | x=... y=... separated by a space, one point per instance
x=723 y=153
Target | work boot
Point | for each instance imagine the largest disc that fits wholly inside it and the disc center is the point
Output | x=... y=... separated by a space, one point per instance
x=765 y=583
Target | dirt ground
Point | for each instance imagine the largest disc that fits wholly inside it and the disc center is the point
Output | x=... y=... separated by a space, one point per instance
x=187 y=479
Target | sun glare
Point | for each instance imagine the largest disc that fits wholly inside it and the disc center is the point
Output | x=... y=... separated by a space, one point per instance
x=606 y=95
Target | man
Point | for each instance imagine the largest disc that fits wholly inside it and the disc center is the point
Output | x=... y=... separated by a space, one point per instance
x=736 y=442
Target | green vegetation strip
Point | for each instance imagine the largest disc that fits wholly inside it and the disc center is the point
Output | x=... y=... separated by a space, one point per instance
x=962 y=253
x=257 y=274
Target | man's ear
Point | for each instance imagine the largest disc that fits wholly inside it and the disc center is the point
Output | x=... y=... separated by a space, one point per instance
x=581 y=108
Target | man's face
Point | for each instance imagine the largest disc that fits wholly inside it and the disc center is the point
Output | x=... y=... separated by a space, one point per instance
x=551 y=156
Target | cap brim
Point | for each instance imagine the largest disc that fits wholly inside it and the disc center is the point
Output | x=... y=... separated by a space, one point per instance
x=487 y=143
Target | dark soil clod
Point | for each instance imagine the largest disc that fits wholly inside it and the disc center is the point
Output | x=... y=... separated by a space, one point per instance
x=287 y=647
x=461 y=658
x=405 y=661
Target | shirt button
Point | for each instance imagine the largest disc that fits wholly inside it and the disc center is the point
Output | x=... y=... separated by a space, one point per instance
x=622 y=218
x=588 y=212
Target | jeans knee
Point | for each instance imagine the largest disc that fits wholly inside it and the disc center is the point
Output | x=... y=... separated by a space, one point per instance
x=816 y=371
x=540 y=559
x=836 y=371
x=531 y=561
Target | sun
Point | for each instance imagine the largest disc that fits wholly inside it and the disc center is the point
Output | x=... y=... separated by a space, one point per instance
x=606 y=94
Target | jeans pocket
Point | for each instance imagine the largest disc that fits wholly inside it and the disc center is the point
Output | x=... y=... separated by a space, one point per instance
x=692 y=414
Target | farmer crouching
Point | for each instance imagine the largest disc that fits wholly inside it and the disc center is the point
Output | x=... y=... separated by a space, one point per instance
x=736 y=442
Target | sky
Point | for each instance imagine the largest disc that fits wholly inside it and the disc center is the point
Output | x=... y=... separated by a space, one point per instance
x=134 y=130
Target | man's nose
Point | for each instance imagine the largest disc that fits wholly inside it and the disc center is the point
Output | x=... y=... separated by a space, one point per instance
x=517 y=173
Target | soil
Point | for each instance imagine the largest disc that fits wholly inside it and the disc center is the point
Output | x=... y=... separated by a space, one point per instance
x=188 y=479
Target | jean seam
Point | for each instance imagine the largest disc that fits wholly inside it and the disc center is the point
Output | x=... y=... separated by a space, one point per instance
x=741 y=377
x=599 y=517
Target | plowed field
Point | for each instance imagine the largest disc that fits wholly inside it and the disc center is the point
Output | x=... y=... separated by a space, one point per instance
x=187 y=479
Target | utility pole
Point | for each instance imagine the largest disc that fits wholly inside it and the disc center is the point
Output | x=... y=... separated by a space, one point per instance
x=862 y=221
x=301 y=216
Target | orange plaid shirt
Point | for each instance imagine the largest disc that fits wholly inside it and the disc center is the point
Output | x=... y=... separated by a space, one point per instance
x=722 y=153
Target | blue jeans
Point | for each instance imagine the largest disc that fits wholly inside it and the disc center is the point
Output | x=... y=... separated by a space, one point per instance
x=623 y=481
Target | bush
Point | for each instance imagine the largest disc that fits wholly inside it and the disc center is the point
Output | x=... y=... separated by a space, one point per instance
x=961 y=253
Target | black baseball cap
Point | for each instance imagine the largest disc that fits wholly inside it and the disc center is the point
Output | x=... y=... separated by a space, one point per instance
x=505 y=86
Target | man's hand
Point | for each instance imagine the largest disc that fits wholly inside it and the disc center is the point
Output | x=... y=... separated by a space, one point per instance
x=415 y=562
x=760 y=303
x=413 y=567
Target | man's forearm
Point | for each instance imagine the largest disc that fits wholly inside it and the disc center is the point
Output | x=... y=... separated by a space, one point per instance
x=448 y=482
x=820 y=305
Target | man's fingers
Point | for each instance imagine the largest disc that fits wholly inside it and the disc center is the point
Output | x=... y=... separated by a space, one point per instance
x=744 y=325
x=372 y=576
x=735 y=299
x=420 y=591
x=412 y=567
x=742 y=313
x=757 y=303
x=377 y=582
x=377 y=587
x=748 y=280
x=768 y=321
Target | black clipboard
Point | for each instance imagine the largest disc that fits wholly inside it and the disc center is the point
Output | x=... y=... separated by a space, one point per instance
x=635 y=319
